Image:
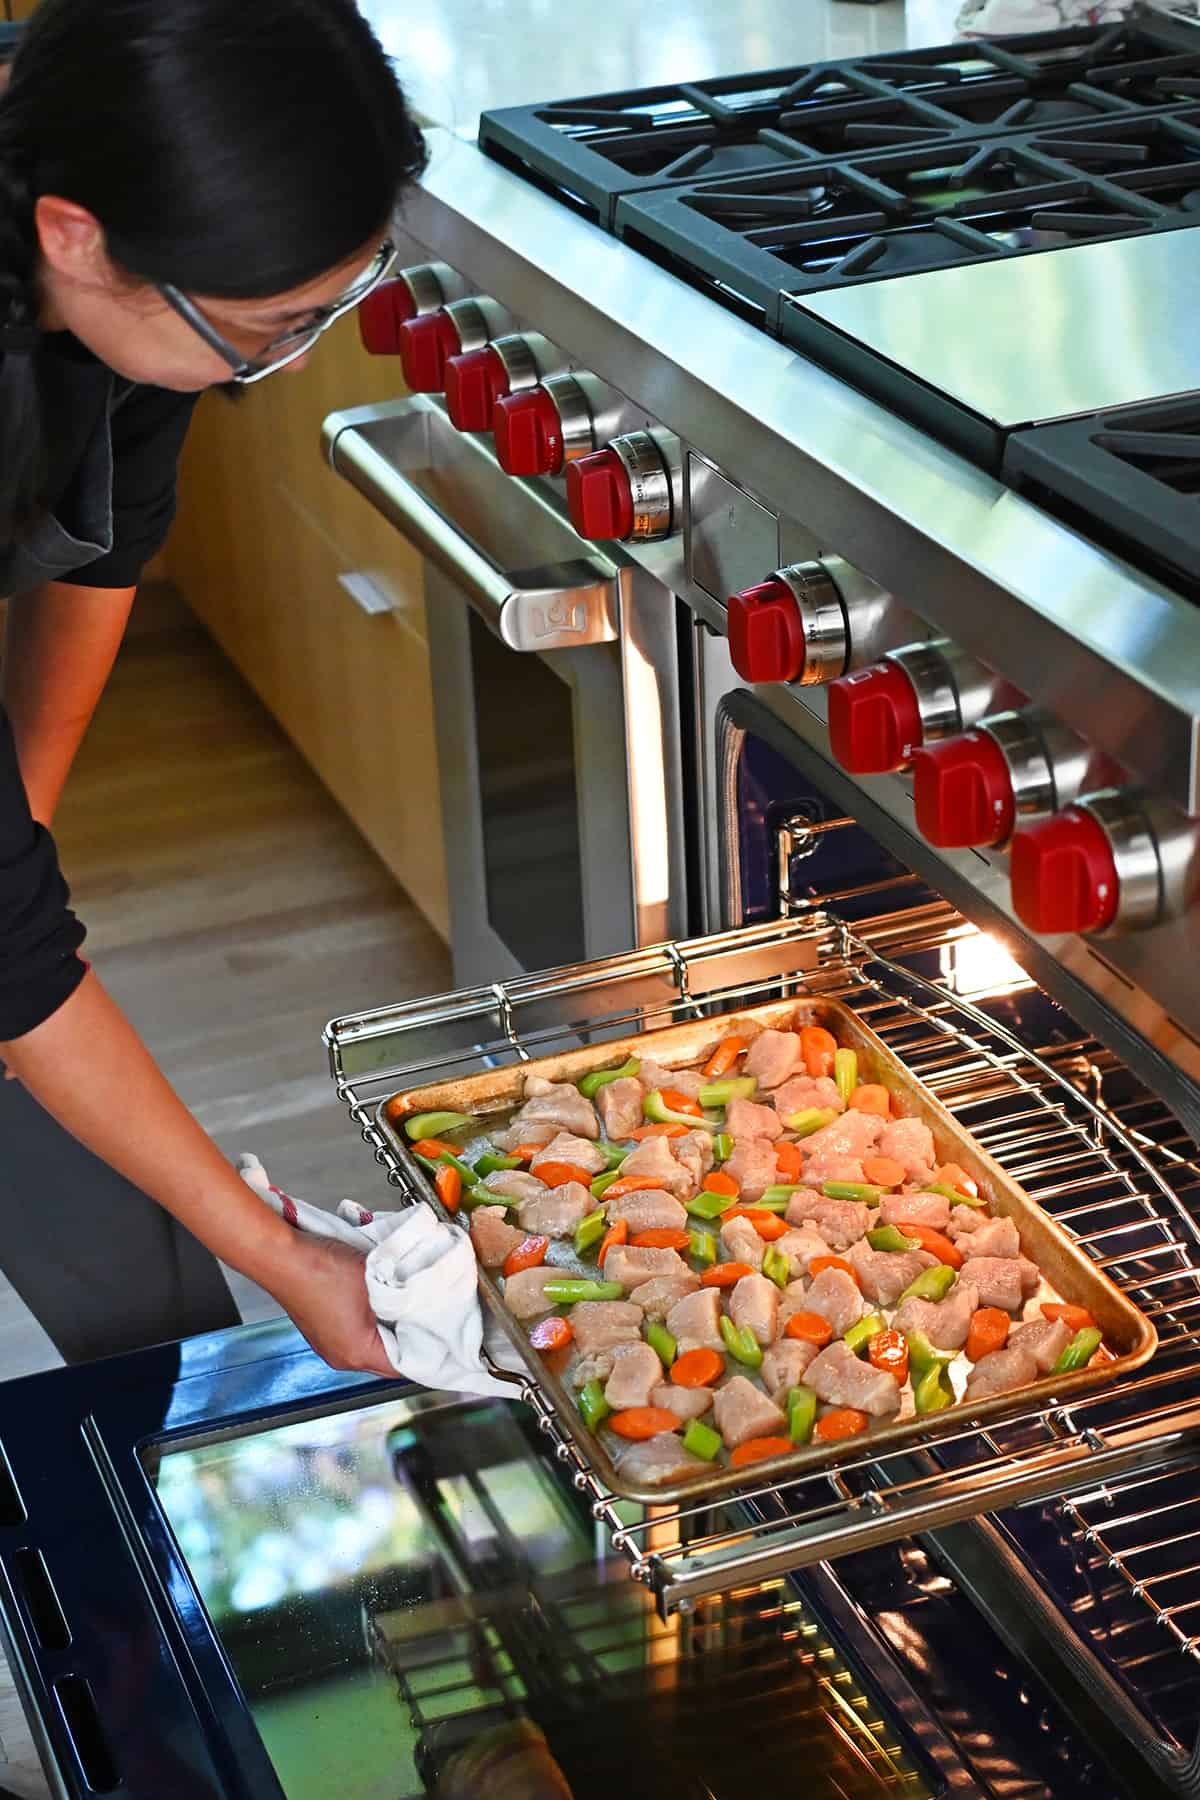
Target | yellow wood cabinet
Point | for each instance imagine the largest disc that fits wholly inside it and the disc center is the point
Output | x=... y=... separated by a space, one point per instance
x=264 y=531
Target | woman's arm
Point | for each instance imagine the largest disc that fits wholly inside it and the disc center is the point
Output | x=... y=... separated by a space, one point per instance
x=88 y=1067
x=59 y=649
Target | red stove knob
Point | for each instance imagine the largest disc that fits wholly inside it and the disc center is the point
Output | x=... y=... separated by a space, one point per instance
x=600 y=496
x=529 y=433
x=382 y=314
x=425 y=345
x=474 y=383
x=874 y=719
x=963 y=792
x=1064 y=874
x=766 y=632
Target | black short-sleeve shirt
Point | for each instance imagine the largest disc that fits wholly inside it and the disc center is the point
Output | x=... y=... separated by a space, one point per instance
x=39 y=934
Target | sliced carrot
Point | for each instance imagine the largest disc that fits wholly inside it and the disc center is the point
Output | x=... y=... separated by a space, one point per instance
x=552 y=1334
x=759 y=1449
x=887 y=1351
x=527 y=1152
x=723 y=1275
x=661 y=1237
x=883 y=1171
x=627 y=1184
x=717 y=1182
x=617 y=1233
x=988 y=1331
x=789 y=1162
x=640 y=1422
x=557 y=1174
x=770 y=1226
x=818 y=1047
x=724 y=1057
x=936 y=1242
x=697 y=1368
x=529 y=1253
x=434 y=1147
x=950 y=1175
x=1077 y=1317
x=448 y=1183
x=652 y=1131
x=842 y=1422
x=809 y=1328
x=683 y=1103
x=834 y=1262
x=870 y=1097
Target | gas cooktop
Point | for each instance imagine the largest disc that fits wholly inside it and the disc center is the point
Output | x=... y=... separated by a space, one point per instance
x=776 y=191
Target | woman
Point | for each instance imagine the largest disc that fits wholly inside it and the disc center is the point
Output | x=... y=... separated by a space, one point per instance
x=189 y=191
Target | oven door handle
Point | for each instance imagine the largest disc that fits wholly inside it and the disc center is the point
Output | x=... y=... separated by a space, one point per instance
x=559 y=606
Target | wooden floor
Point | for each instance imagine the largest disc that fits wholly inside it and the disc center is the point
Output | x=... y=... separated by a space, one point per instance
x=232 y=910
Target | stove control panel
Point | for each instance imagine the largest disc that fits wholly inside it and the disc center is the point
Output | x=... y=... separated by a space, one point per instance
x=880 y=716
x=542 y=429
x=1117 y=860
x=414 y=291
x=428 y=341
x=629 y=490
x=797 y=625
x=476 y=379
x=969 y=792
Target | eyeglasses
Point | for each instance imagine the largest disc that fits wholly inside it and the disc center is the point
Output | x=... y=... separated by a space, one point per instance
x=298 y=339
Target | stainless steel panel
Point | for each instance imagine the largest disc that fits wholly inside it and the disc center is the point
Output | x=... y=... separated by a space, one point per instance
x=1034 y=338
x=733 y=541
x=1113 y=653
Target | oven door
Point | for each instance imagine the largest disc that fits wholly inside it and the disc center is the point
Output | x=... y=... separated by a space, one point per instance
x=556 y=692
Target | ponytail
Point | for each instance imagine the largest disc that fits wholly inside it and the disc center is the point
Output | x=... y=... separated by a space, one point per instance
x=22 y=445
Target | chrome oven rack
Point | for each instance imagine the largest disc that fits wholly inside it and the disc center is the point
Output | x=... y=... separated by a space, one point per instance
x=1117 y=1176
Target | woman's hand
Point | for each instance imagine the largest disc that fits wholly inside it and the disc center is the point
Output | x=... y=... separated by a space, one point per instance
x=321 y=1286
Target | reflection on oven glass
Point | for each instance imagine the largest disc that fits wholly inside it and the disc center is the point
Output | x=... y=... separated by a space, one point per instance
x=977 y=964
x=415 y=1602
x=529 y=800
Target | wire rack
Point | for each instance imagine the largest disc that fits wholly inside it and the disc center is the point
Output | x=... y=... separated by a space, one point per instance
x=1116 y=1180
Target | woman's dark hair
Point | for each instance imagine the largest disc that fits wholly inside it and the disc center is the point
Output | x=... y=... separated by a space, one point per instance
x=237 y=148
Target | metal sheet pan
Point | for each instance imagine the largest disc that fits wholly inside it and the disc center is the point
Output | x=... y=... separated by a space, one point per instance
x=1128 y=1334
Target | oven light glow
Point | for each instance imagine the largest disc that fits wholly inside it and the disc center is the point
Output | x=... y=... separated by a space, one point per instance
x=978 y=964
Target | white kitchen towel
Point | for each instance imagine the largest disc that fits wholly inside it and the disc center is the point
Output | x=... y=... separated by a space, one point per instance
x=421 y=1280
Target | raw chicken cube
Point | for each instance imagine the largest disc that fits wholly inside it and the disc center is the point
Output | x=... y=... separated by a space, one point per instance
x=1044 y=1339
x=1005 y=1281
x=630 y=1266
x=567 y=1148
x=685 y=1403
x=694 y=1151
x=523 y=1293
x=803 y=1093
x=647 y=1210
x=840 y=1378
x=740 y=1242
x=592 y=1368
x=653 y=1163
x=515 y=1184
x=918 y=1209
x=748 y=1119
x=652 y=1075
x=835 y=1295
x=743 y=1411
x=656 y=1462
x=559 y=1104
x=532 y=1131
x=559 y=1211
x=636 y=1372
x=800 y=1247
x=853 y=1135
x=944 y=1322
x=752 y=1166
x=964 y=1219
x=754 y=1304
x=783 y=1367
x=493 y=1236
x=840 y=1222
x=909 y=1141
x=620 y=1106
x=886 y=1273
x=999 y=1237
x=657 y=1296
x=828 y=1167
x=793 y=1299
x=599 y=1325
x=695 y=1321
x=772 y=1057
x=1012 y=1367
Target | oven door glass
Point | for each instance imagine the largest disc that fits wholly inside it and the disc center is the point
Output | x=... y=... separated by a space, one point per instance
x=398 y=1588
